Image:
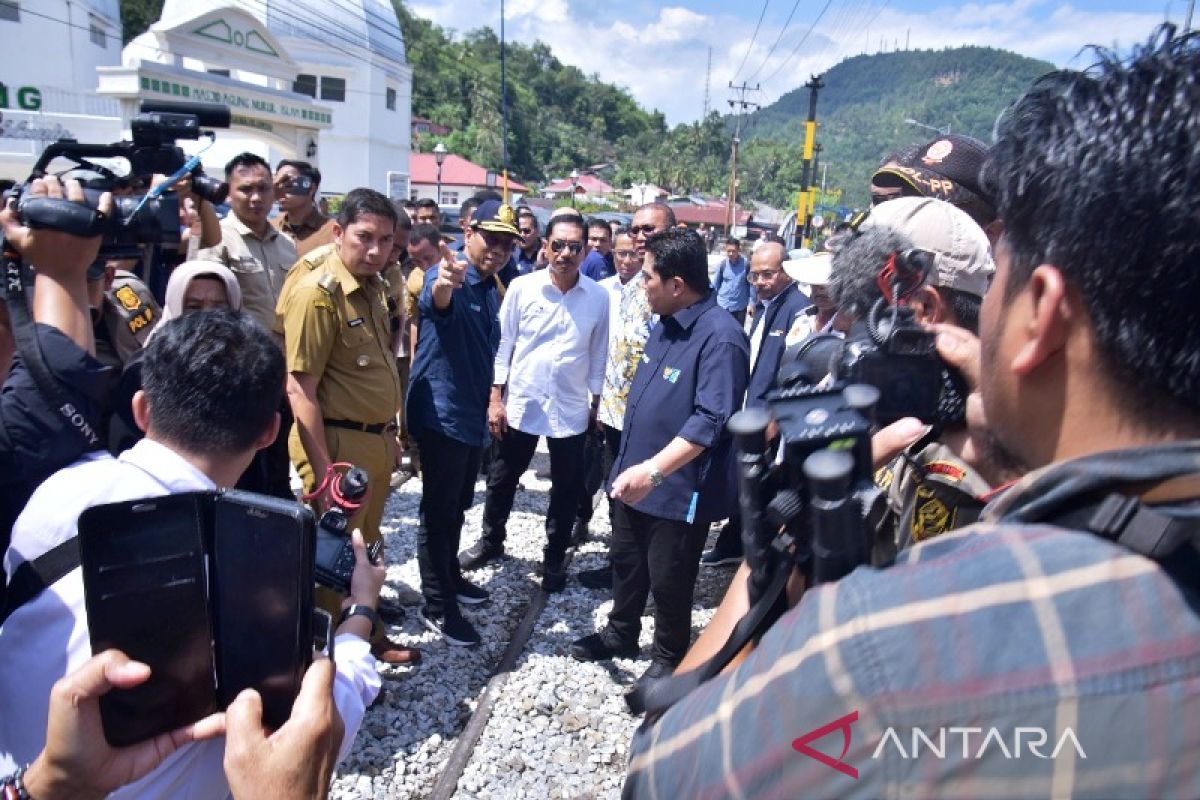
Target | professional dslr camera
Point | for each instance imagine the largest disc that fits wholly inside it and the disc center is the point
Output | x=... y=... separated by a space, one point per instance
x=887 y=350
x=150 y=219
x=347 y=487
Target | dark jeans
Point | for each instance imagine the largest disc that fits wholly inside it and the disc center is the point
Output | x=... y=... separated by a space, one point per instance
x=510 y=460
x=448 y=472
x=652 y=554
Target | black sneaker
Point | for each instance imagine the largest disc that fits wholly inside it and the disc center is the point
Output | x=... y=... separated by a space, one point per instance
x=469 y=593
x=479 y=554
x=599 y=578
x=722 y=554
x=453 y=628
x=601 y=647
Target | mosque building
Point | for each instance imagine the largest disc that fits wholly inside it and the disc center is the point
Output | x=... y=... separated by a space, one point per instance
x=324 y=81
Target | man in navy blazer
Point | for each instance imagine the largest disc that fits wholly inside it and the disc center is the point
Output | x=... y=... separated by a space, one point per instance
x=780 y=301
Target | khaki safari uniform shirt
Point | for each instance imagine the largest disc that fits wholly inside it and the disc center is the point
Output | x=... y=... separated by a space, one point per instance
x=261 y=265
x=336 y=326
x=308 y=262
x=309 y=234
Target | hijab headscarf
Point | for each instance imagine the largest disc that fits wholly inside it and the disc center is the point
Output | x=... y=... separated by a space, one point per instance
x=184 y=274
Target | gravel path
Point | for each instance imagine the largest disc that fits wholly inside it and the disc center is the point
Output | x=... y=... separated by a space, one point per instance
x=560 y=728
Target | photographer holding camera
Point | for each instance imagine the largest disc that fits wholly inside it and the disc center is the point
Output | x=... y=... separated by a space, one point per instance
x=212 y=382
x=1033 y=622
x=39 y=434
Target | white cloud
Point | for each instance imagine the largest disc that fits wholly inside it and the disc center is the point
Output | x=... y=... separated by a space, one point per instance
x=661 y=57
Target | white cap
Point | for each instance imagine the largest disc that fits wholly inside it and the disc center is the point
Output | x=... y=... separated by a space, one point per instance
x=813 y=270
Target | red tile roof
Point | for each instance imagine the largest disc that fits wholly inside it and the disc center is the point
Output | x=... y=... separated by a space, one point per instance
x=457 y=171
x=590 y=184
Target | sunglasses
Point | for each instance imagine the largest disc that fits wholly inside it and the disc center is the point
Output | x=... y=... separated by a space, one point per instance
x=646 y=229
x=574 y=248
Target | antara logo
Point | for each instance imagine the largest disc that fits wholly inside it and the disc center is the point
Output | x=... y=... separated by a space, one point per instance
x=1025 y=742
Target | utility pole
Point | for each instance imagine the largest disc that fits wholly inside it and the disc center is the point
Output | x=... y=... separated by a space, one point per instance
x=804 y=200
x=741 y=104
x=707 y=84
x=1187 y=22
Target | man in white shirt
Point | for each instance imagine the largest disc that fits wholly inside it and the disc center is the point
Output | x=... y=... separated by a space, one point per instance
x=553 y=342
x=212 y=384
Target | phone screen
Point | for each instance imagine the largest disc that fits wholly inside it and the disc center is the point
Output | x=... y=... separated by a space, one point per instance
x=262 y=558
x=145 y=588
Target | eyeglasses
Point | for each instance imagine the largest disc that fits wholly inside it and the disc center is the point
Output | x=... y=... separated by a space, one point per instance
x=646 y=229
x=574 y=248
x=625 y=253
x=762 y=275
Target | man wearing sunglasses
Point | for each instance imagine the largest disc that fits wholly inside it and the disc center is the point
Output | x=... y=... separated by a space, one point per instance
x=553 y=339
x=296 y=186
x=447 y=407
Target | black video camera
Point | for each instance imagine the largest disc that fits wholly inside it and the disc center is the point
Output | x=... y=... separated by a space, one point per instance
x=334 y=550
x=888 y=350
x=135 y=221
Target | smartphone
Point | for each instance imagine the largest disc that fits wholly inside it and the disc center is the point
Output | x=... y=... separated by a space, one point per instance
x=145 y=577
x=262 y=564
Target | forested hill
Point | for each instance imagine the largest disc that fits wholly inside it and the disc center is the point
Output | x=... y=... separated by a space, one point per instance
x=861 y=110
x=559 y=119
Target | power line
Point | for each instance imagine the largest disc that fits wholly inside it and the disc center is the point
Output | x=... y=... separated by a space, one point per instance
x=786 y=24
x=753 y=38
x=800 y=44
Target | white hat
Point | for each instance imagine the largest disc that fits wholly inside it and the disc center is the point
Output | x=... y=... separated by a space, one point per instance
x=813 y=270
x=962 y=256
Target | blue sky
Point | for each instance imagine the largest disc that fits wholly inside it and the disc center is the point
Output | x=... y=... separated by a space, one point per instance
x=660 y=50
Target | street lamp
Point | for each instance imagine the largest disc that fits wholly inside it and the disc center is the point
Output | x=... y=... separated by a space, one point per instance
x=574 y=185
x=439 y=155
x=940 y=131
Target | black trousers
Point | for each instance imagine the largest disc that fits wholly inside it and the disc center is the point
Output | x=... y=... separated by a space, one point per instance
x=511 y=458
x=448 y=472
x=652 y=554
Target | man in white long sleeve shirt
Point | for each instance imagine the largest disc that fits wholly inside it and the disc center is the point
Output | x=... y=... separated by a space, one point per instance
x=553 y=342
x=212 y=383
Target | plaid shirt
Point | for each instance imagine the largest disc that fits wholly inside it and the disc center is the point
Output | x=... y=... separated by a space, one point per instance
x=935 y=676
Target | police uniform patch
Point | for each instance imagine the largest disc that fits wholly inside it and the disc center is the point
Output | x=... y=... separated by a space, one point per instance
x=140 y=323
x=931 y=516
x=947 y=470
x=128 y=298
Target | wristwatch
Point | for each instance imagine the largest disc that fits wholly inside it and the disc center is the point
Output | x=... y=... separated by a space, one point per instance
x=360 y=610
x=656 y=476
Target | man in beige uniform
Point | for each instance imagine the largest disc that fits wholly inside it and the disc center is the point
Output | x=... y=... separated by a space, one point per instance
x=342 y=382
x=296 y=186
x=258 y=254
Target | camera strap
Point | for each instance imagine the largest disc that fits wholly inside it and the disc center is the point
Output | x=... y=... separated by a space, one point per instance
x=17 y=281
x=31 y=578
